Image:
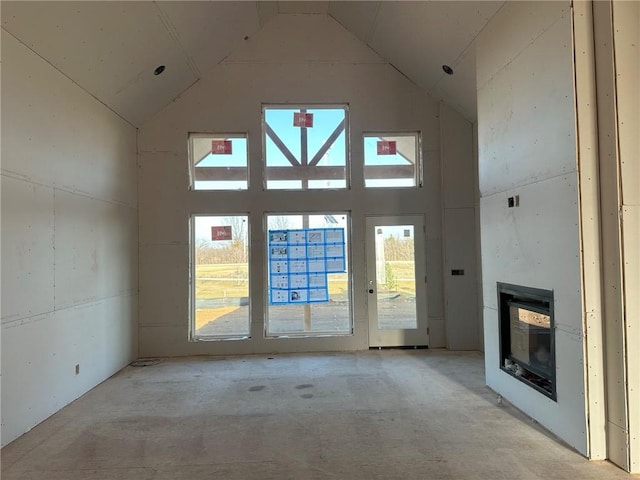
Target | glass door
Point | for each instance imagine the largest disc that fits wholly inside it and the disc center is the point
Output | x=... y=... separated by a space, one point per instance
x=396 y=281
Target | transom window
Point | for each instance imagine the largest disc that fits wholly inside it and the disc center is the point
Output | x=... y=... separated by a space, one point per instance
x=392 y=159
x=218 y=161
x=305 y=148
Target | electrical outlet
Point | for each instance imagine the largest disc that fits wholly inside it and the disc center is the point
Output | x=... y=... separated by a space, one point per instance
x=78 y=369
x=510 y=202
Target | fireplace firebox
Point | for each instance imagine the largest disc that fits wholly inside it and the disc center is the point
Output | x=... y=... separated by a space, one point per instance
x=527 y=344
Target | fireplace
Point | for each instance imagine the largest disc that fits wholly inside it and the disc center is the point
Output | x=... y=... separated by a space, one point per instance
x=527 y=336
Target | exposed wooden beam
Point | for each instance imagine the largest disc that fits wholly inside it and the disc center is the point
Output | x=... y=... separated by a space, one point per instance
x=327 y=144
x=378 y=172
x=281 y=146
x=375 y=172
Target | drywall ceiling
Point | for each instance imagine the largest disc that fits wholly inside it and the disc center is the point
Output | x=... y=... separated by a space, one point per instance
x=111 y=49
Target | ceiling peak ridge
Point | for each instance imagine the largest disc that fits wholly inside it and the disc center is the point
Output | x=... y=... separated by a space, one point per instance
x=173 y=33
x=470 y=45
x=304 y=62
x=374 y=24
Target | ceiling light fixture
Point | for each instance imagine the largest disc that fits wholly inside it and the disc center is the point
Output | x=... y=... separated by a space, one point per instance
x=159 y=69
x=447 y=69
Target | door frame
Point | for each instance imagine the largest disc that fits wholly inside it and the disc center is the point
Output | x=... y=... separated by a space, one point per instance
x=397 y=337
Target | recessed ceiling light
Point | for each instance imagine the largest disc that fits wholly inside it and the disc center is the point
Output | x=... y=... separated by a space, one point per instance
x=447 y=69
x=159 y=69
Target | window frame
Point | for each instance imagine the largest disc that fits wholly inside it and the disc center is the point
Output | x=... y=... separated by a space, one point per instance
x=192 y=337
x=307 y=106
x=349 y=272
x=418 y=170
x=193 y=166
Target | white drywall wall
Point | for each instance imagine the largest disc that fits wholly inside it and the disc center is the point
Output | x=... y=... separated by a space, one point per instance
x=459 y=231
x=294 y=59
x=526 y=141
x=69 y=240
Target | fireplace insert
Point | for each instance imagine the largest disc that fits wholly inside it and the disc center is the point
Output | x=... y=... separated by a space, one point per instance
x=527 y=336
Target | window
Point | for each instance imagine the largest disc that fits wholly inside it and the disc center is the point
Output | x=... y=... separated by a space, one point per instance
x=308 y=275
x=218 y=161
x=305 y=148
x=220 y=277
x=391 y=160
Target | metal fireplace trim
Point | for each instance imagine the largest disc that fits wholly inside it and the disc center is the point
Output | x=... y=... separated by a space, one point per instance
x=539 y=301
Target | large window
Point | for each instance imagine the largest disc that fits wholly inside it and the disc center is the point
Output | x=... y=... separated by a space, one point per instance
x=308 y=275
x=218 y=161
x=391 y=160
x=305 y=148
x=220 y=277
x=308 y=281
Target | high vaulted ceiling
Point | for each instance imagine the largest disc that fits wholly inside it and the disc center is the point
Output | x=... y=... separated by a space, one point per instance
x=111 y=49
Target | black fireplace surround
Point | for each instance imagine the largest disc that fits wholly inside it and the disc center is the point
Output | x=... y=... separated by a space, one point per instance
x=527 y=343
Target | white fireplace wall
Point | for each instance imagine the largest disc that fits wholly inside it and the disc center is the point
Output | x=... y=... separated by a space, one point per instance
x=526 y=142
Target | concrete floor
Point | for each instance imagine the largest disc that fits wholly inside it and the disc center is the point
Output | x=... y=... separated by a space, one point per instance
x=401 y=414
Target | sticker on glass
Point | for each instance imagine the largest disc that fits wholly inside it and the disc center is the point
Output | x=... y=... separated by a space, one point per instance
x=278 y=252
x=386 y=147
x=315 y=251
x=298 y=266
x=317 y=280
x=335 y=251
x=301 y=119
x=278 y=236
x=299 y=281
x=279 y=296
x=334 y=235
x=221 y=233
x=280 y=281
x=279 y=266
x=315 y=236
x=316 y=265
x=297 y=236
x=298 y=251
x=298 y=296
x=335 y=265
x=221 y=147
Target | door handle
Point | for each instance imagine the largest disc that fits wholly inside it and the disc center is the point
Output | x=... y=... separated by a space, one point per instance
x=371 y=290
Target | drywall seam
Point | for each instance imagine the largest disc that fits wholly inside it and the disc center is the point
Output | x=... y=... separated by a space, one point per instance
x=534 y=40
x=15 y=322
x=72 y=191
x=70 y=79
x=173 y=33
x=526 y=184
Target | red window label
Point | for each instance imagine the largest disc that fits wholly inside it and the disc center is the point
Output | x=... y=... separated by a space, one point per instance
x=386 y=147
x=221 y=233
x=221 y=147
x=302 y=119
